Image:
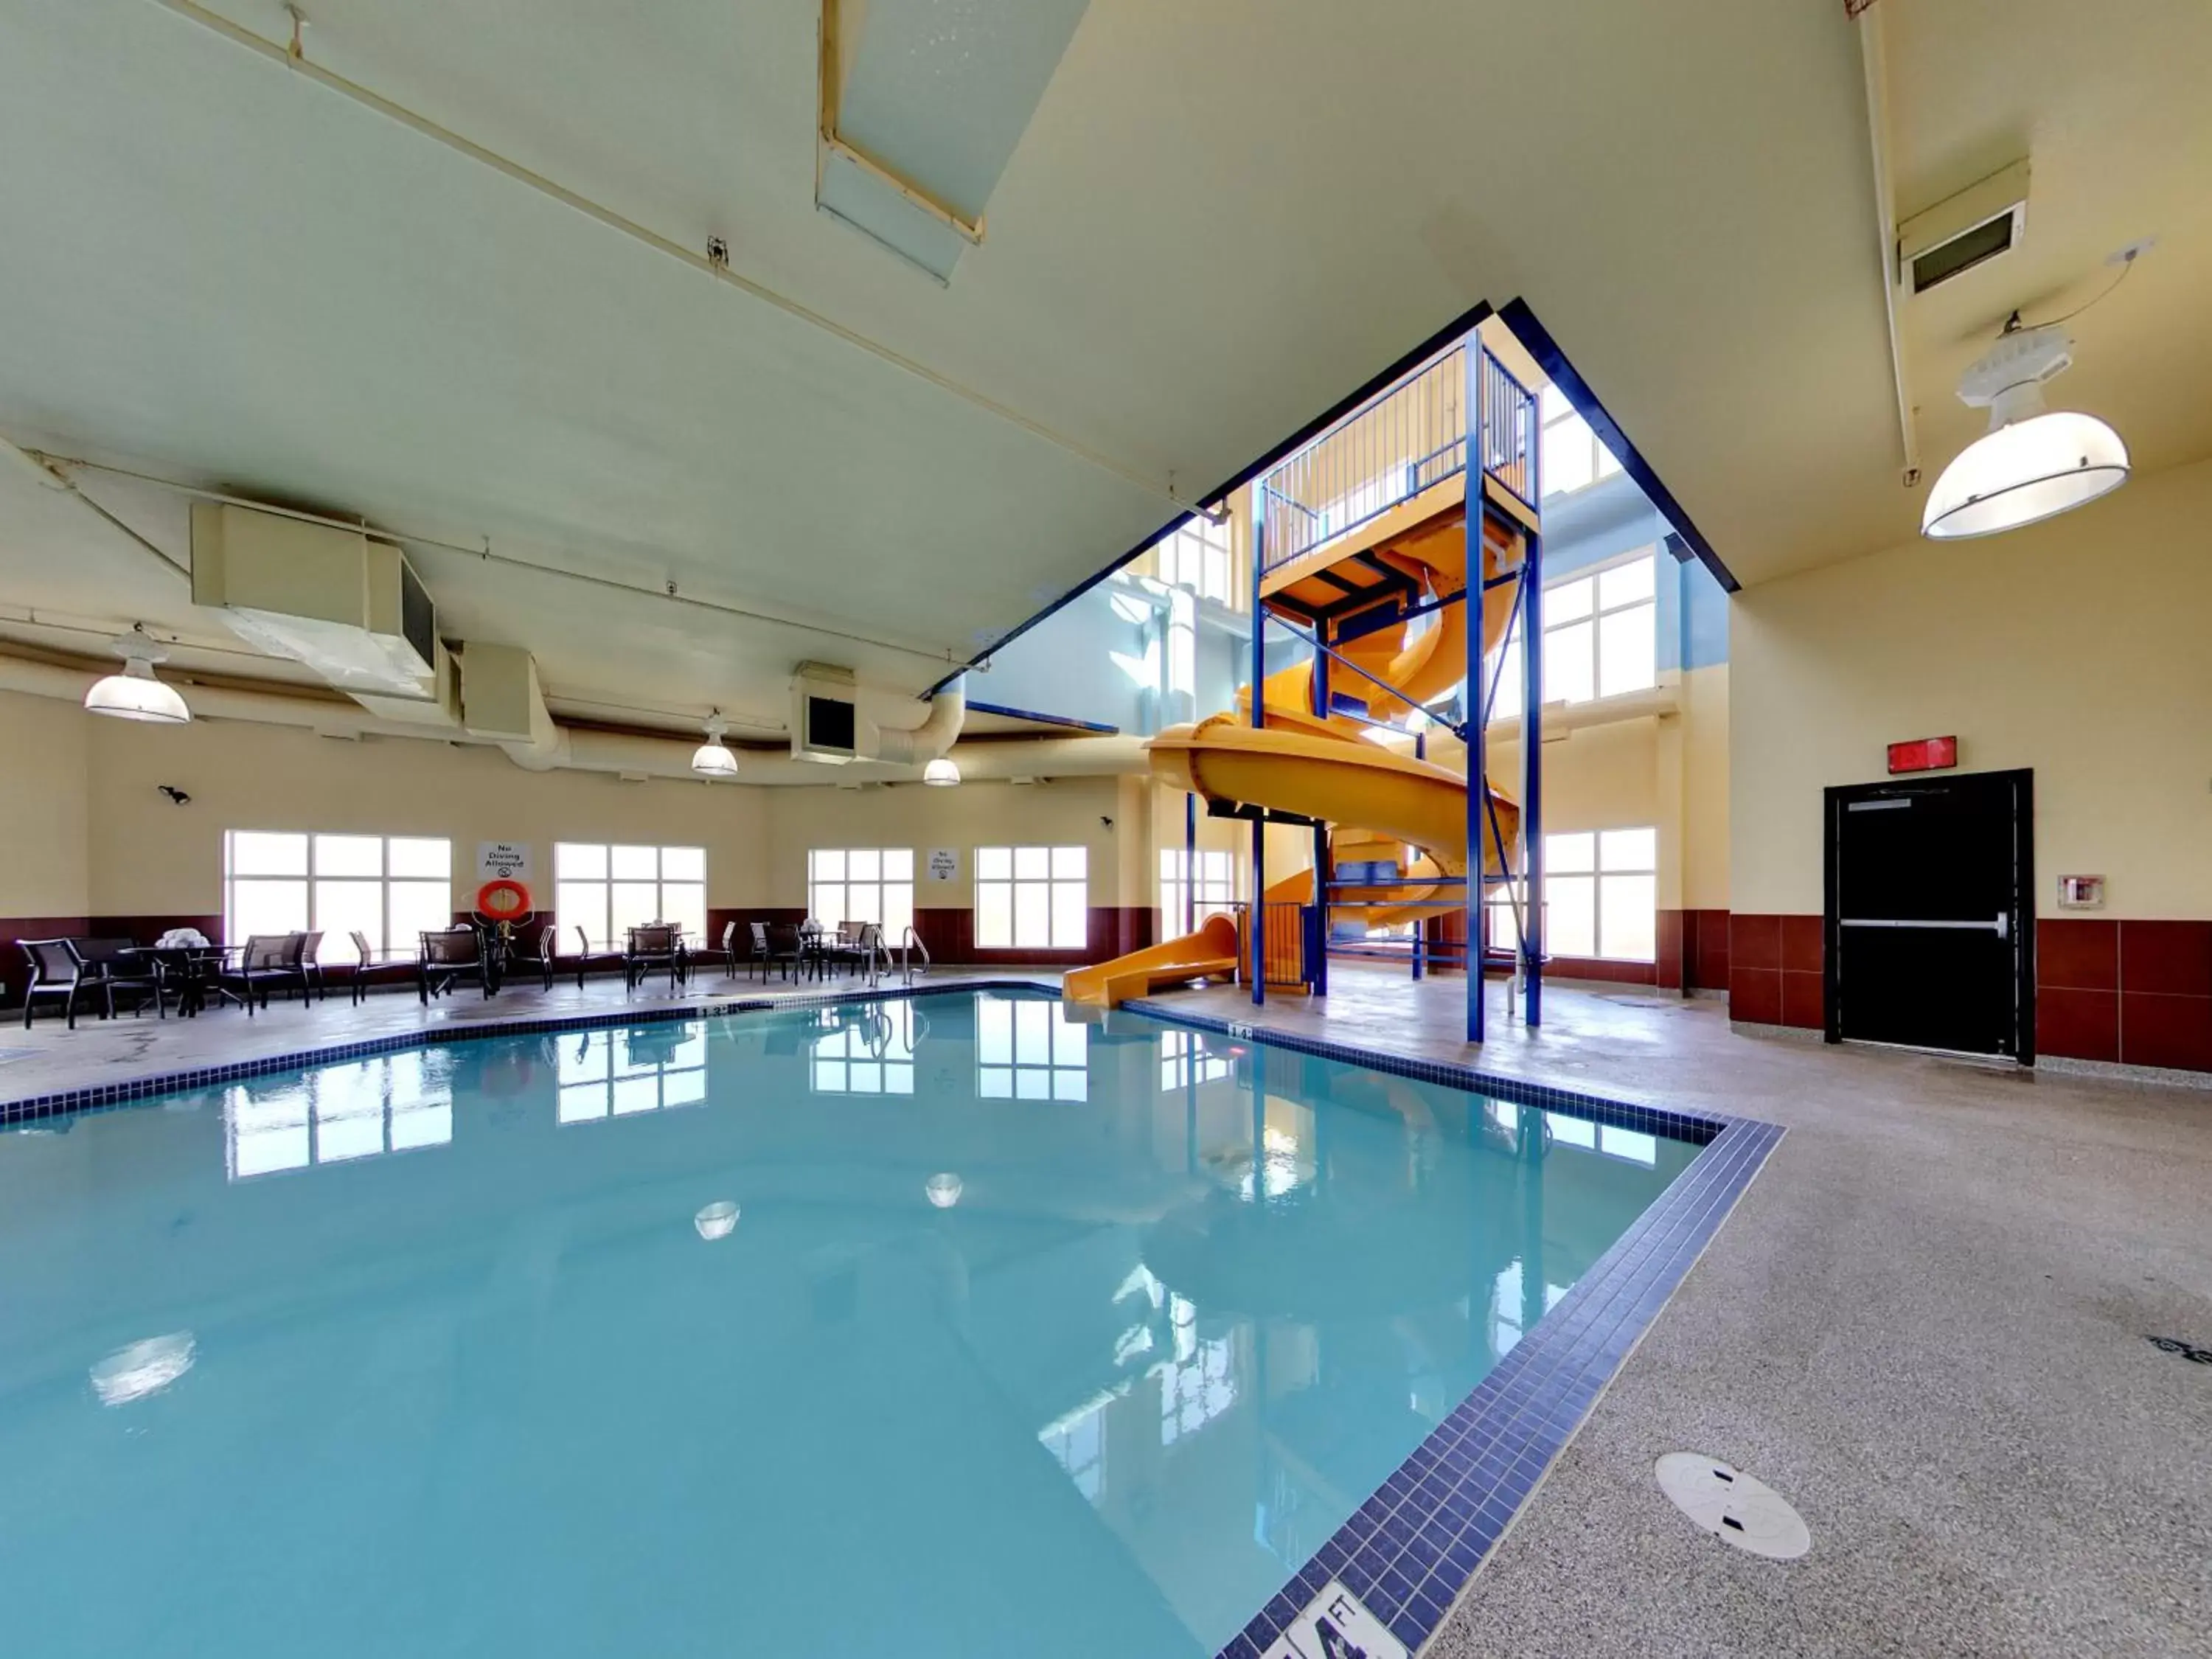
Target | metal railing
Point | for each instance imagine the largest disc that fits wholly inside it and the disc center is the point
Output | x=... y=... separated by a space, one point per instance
x=909 y=943
x=1408 y=440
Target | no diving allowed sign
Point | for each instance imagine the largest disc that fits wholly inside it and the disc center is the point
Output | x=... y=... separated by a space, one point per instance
x=1336 y=1626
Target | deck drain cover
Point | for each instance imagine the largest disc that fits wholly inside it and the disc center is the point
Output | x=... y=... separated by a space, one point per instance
x=1733 y=1505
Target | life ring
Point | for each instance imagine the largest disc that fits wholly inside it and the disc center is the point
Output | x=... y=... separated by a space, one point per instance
x=502 y=900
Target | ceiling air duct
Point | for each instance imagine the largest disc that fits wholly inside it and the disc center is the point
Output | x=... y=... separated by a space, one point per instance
x=349 y=608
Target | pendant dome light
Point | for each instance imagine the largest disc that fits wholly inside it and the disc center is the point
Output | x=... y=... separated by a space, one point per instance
x=942 y=773
x=2032 y=464
x=713 y=759
x=135 y=694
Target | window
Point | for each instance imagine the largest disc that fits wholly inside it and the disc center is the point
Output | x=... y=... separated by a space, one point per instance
x=1031 y=898
x=1217 y=886
x=608 y=890
x=1602 y=892
x=393 y=1103
x=617 y=1073
x=1195 y=556
x=873 y=1054
x=1184 y=1059
x=861 y=884
x=1573 y=457
x=387 y=888
x=1030 y=1050
x=1600 y=637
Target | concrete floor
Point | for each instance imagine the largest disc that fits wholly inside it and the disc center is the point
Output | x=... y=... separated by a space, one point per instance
x=1925 y=1325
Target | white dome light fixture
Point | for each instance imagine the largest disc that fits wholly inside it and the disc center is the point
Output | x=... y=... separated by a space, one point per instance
x=135 y=694
x=713 y=759
x=2032 y=464
x=717 y=1220
x=942 y=773
x=943 y=1190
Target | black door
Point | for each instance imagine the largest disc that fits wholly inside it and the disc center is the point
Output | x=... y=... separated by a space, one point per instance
x=1930 y=913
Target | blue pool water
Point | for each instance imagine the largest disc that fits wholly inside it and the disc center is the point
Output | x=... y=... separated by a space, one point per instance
x=946 y=1327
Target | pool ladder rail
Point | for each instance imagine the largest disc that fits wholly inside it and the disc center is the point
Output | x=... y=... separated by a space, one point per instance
x=909 y=944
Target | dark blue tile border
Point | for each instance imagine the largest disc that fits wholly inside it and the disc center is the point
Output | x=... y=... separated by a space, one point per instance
x=98 y=1096
x=1411 y=1547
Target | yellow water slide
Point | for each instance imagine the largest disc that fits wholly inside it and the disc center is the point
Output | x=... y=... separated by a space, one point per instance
x=1330 y=768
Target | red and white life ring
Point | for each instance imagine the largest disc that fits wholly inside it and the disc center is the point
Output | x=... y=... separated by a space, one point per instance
x=503 y=901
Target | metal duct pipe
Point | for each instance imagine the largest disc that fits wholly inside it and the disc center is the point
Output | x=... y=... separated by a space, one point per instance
x=568 y=749
x=948 y=713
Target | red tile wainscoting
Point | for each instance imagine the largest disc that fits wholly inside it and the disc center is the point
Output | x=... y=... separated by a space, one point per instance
x=1774 y=974
x=1706 y=949
x=2139 y=993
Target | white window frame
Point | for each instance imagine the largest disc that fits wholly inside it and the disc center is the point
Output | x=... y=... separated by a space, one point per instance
x=1217 y=885
x=1185 y=1057
x=1613 y=871
x=891 y=901
x=1560 y=425
x=319 y=870
x=1029 y=892
x=575 y=904
x=1198 y=556
x=1603 y=620
x=338 y=1113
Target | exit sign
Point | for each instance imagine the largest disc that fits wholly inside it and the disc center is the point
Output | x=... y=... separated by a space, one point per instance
x=1923 y=755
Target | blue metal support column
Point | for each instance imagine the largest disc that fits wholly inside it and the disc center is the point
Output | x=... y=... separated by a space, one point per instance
x=1532 y=764
x=1421 y=925
x=1477 y=714
x=1189 y=863
x=1256 y=913
x=1317 y=969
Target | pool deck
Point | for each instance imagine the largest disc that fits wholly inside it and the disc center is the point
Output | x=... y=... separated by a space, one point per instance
x=1926 y=1325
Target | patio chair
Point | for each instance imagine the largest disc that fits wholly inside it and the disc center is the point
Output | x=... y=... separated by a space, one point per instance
x=587 y=958
x=656 y=945
x=449 y=956
x=364 y=959
x=312 y=985
x=55 y=972
x=767 y=953
x=111 y=965
x=549 y=956
x=726 y=952
x=265 y=960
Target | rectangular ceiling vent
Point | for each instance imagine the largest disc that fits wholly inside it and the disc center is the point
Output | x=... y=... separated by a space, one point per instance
x=351 y=609
x=1969 y=229
x=824 y=713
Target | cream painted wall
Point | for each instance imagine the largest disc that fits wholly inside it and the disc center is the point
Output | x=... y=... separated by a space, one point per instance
x=1066 y=813
x=42 y=778
x=151 y=858
x=1704 y=728
x=2076 y=648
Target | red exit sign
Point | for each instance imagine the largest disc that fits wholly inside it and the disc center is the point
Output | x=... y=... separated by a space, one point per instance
x=1923 y=755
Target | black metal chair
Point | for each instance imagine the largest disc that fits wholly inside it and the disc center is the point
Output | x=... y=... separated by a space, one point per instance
x=113 y=965
x=265 y=960
x=549 y=956
x=448 y=956
x=767 y=953
x=57 y=970
x=726 y=952
x=364 y=959
x=656 y=945
x=314 y=987
x=587 y=958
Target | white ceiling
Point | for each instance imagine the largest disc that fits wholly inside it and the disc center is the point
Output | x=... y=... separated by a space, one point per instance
x=1222 y=218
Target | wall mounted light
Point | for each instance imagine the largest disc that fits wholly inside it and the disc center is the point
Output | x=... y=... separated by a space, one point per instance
x=713 y=759
x=135 y=694
x=2033 y=463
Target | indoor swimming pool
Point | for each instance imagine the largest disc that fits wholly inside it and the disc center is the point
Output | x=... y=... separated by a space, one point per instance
x=949 y=1327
